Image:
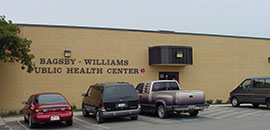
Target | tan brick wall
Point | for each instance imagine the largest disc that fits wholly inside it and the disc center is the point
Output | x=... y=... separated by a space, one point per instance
x=219 y=63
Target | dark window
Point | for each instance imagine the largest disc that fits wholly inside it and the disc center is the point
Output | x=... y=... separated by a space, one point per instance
x=267 y=83
x=159 y=86
x=163 y=86
x=156 y=87
x=49 y=99
x=117 y=92
x=29 y=101
x=258 y=83
x=139 y=87
x=89 y=90
x=173 y=86
x=246 y=83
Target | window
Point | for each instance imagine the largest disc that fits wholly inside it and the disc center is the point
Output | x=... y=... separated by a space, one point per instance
x=267 y=83
x=29 y=101
x=89 y=90
x=246 y=83
x=173 y=86
x=159 y=86
x=49 y=99
x=258 y=83
x=139 y=87
x=114 y=93
x=156 y=87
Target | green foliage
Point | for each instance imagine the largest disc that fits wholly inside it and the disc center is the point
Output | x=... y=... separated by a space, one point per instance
x=74 y=107
x=12 y=47
x=210 y=101
x=218 y=101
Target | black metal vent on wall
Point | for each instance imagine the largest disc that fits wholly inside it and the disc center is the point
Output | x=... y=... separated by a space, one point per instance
x=170 y=55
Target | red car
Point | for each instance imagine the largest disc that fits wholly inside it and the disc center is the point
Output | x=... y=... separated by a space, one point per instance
x=47 y=107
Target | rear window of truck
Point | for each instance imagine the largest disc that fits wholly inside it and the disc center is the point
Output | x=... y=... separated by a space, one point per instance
x=163 y=86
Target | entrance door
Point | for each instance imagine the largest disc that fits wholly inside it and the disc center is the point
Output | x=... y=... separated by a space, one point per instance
x=168 y=76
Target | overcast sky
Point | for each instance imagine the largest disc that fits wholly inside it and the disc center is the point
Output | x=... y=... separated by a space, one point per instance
x=225 y=17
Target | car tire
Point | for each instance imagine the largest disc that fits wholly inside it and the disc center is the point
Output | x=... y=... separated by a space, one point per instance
x=69 y=122
x=30 y=122
x=267 y=102
x=235 y=102
x=99 y=117
x=85 y=113
x=255 y=105
x=162 y=112
x=193 y=113
x=134 y=117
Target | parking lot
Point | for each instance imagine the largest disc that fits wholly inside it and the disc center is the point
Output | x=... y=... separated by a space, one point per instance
x=221 y=117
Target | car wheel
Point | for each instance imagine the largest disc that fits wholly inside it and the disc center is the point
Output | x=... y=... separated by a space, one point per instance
x=235 y=102
x=69 y=122
x=99 y=118
x=255 y=105
x=268 y=103
x=85 y=113
x=162 y=113
x=30 y=122
x=134 y=117
x=193 y=113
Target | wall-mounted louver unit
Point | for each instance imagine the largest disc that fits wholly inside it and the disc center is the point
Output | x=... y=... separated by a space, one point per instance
x=170 y=55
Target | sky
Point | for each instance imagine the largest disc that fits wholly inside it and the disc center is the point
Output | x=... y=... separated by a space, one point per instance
x=222 y=17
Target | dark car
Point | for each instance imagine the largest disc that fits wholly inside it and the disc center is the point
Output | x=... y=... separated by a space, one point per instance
x=107 y=100
x=252 y=90
x=47 y=107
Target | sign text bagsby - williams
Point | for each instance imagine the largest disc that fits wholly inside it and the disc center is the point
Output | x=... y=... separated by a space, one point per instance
x=100 y=66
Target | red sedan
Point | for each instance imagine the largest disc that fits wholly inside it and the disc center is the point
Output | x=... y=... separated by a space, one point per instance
x=47 y=107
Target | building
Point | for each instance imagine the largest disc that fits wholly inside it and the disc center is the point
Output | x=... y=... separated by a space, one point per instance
x=69 y=59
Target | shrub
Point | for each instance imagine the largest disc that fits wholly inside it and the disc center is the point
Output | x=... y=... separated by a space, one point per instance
x=210 y=101
x=218 y=101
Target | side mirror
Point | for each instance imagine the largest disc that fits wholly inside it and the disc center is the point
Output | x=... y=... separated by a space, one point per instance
x=24 y=102
x=85 y=95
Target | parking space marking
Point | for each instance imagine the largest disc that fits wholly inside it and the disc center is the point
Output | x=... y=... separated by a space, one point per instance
x=252 y=113
x=213 y=114
x=22 y=125
x=98 y=126
x=153 y=120
x=210 y=111
x=220 y=117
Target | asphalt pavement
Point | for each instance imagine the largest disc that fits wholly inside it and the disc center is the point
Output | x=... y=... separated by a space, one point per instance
x=217 y=117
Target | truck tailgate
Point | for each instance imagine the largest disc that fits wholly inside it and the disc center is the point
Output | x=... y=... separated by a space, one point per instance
x=189 y=97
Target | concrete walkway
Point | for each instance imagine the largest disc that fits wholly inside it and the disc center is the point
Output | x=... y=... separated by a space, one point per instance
x=2 y=124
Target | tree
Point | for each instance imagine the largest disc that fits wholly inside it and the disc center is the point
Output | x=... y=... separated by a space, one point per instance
x=13 y=48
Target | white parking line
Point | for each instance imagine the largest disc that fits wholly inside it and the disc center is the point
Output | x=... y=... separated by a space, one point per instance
x=211 y=111
x=231 y=114
x=99 y=126
x=22 y=125
x=248 y=114
x=211 y=115
x=160 y=121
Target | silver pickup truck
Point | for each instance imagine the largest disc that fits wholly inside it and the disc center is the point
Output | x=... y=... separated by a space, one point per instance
x=165 y=96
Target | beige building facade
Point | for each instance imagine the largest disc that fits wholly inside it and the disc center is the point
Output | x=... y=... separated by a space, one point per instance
x=69 y=59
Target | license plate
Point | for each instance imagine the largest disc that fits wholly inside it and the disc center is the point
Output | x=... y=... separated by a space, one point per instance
x=121 y=105
x=55 y=118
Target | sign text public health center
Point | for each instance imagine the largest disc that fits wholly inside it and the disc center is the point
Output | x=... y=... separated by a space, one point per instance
x=92 y=66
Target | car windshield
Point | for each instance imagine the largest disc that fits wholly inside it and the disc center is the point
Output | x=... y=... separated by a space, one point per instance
x=118 y=92
x=50 y=99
